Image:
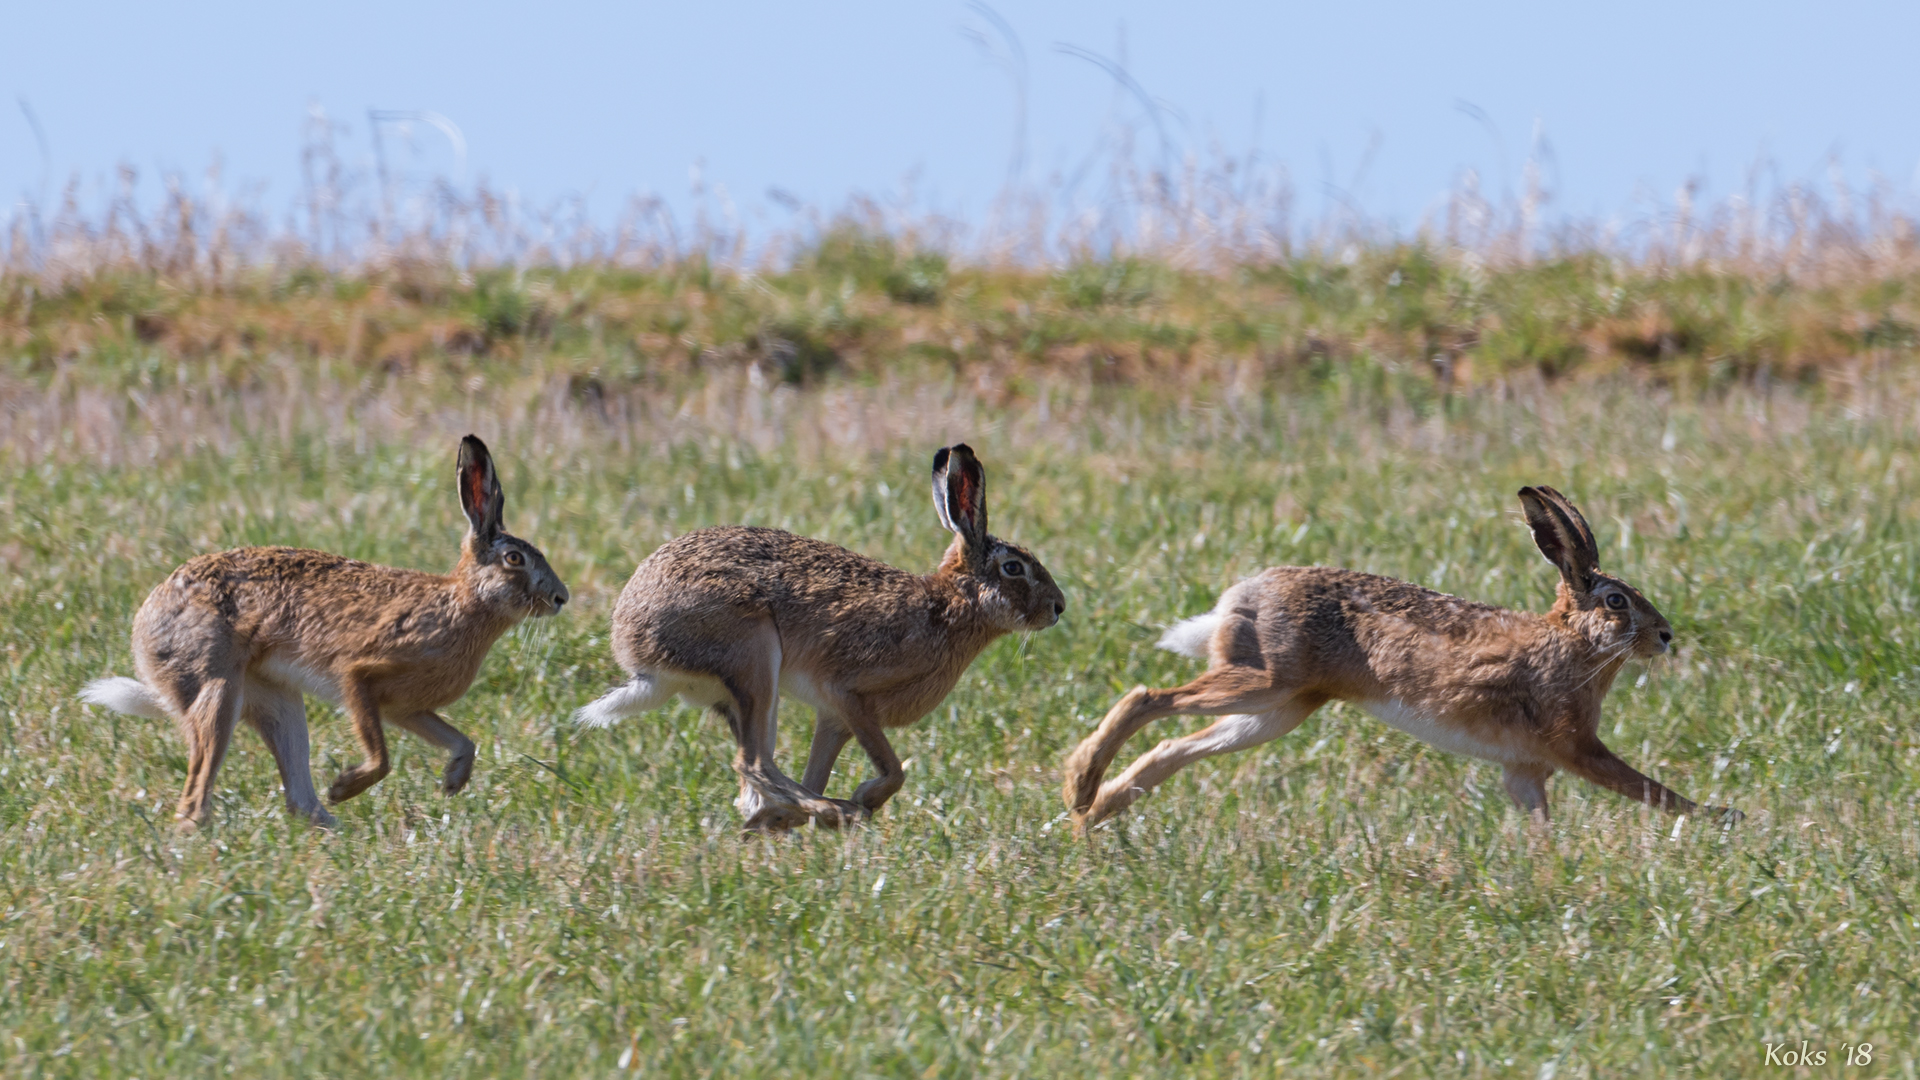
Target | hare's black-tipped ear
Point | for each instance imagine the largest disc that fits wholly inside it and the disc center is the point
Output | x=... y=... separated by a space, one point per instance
x=1562 y=535
x=480 y=494
x=960 y=494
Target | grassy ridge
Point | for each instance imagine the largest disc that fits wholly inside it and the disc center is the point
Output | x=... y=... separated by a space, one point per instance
x=1343 y=898
x=862 y=305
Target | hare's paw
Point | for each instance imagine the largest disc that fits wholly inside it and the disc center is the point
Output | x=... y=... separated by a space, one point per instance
x=766 y=808
x=1114 y=796
x=459 y=771
x=873 y=794
x=355 y=780
x=775 y=818
x=838 y=813
x=1080 y=781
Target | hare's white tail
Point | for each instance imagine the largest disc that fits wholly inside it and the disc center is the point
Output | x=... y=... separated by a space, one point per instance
x=642 y=693
x=1189 y=637
x=124 y=695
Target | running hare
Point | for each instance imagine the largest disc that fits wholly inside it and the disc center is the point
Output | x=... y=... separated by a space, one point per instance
x=731 y=617
x=1511 y=687
x=244 y=633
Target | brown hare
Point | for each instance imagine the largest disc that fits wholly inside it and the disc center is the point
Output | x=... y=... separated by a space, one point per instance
x=245 y=632
x=1510 y=687
x=732 y=617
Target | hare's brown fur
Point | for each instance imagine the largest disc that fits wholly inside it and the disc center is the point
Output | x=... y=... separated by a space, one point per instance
x=732 y=617
x=1514 y=688
x=245 y=633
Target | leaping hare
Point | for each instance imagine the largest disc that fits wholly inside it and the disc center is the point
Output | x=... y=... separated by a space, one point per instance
x=731 y=617
x=245 y=632
x=1510 y=687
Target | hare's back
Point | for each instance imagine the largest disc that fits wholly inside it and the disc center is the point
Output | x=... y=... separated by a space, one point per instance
x=260 y=590
x=706 y=583
x=1329 y=615
x=759 y=568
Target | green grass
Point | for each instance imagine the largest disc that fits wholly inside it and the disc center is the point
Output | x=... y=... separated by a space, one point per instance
x=1343 y=899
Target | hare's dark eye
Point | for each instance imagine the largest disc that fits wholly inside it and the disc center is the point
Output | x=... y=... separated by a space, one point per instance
x=514 y=558
x=1616 y=602
x=1012 y=568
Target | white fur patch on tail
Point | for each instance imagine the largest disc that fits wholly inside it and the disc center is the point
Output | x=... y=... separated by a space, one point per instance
x=124 y=695
x=641 y=694
x=1190 y=637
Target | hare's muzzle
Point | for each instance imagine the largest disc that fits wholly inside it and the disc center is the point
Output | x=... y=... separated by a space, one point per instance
x=1050 y=613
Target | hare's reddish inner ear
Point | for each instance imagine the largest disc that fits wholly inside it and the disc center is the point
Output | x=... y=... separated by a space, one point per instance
x=960 y=493
x=480 y=494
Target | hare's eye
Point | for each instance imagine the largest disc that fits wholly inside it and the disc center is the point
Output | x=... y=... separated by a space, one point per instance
x=514 y=558
x=1616 y=601
x=1012 y=568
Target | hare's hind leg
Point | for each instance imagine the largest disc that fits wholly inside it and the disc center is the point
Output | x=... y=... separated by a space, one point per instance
x=768 y=798
x=459 y=748
x=208 y=724
x=1227 y=689
x=280 y=717
x=1225 y=735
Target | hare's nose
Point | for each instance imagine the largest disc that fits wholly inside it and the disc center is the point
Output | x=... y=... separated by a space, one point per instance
x=1666 y=636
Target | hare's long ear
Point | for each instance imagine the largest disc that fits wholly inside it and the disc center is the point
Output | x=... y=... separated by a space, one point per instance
x=480 y=494
x=1562 y=535
x=960 y=494
x=1579 y=520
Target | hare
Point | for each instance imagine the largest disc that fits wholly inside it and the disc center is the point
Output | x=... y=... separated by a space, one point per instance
x=1510 y=687
x=245 y=632
x=731 y=617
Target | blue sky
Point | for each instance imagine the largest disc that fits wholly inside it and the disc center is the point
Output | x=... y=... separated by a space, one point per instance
x=1384 y=102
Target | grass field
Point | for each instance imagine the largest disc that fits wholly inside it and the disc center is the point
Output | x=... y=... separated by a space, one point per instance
x=1342 y=899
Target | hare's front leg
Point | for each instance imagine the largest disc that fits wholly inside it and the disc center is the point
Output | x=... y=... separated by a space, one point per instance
x=364 y=711
x=872 y=794
x=1593 y=762
x=459 y=748
x=1527 y=786
x=830 y=735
